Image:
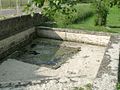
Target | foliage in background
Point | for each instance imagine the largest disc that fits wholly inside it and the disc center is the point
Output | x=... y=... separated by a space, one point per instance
x=102 y=9
x=62 y=12
x=52 y=7
x=115 y=2
x=83 y=11
x=87 y=1
x=112 y=26
x=64 y=8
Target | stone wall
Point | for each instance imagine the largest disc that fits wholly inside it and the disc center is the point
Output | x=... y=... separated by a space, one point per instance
x=17 y=32
x=15 y=25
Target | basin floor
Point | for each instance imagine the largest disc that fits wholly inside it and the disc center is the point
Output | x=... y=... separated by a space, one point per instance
x=78 y=71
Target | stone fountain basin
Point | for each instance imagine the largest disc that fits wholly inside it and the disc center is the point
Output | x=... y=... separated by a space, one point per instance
x=54 y=59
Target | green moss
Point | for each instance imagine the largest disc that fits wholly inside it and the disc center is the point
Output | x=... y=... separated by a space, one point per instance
x=118 y=86
x=85 y=87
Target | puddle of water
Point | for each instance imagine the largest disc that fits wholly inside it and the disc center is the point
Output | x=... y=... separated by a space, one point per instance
x=45 y=52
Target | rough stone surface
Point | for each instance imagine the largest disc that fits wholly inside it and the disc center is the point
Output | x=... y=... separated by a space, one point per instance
x=73 y=36
x=15 y=25
x=7 y=44
x=107 y=77
x=83 y=68
x=79 y=70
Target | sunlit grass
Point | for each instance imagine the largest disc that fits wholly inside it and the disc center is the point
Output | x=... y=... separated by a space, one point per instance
x=89 y=24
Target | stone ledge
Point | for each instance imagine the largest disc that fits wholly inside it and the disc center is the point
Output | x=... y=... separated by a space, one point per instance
x=74 y=35
x=107 y=76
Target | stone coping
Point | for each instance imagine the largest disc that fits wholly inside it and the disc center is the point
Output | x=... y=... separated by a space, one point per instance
x=95 y=38
x=107 y=77
x=76 y=31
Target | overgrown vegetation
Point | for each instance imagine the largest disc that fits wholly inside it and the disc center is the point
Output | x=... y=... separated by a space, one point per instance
x=83 y=11
x=86 y=87
x=118 y=86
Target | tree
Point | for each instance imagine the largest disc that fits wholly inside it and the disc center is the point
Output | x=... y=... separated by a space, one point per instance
x=53 y=6
x=102 y=9
x=115 y=2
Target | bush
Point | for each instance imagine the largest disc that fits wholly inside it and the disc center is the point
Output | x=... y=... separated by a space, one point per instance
x=83 y=11
x=87 y=1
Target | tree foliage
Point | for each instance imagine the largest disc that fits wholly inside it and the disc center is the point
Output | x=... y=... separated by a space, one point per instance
x=102 y=9
x=66 y=7
x=53 y=6
x=115 y=2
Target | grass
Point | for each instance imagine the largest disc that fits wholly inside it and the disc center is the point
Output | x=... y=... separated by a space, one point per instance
x=114 y=17
x=88 y=24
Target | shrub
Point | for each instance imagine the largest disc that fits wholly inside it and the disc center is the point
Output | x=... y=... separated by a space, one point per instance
x=87 y=1
x=82 y=12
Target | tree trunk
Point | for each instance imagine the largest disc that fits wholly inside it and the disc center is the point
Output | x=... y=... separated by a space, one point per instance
x=101 y=20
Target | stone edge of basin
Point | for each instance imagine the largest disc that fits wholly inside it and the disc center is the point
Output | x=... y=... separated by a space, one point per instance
x=74 y=31
x=83 y=36
x=15 y=42
x=107 y=77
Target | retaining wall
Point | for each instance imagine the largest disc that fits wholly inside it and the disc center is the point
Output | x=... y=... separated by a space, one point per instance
x=15 y=25
x=17 y=32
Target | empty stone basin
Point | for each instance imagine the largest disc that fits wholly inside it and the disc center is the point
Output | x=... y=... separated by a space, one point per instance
x=77 y=64
x=68 y=60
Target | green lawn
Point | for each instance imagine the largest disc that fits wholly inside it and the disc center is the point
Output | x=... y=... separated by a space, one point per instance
x=88 y=24
x=114 y=17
